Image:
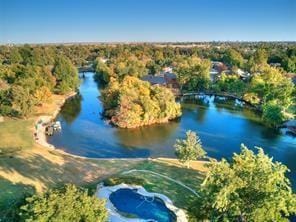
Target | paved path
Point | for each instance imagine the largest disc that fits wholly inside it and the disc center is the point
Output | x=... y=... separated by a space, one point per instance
x=163 y=176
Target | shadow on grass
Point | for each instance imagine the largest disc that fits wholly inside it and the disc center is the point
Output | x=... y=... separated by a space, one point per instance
x=12 y=197
x=50 y=173
x=37 y=172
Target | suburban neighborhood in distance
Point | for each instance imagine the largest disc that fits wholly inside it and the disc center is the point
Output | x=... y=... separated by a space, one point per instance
x=133 y=111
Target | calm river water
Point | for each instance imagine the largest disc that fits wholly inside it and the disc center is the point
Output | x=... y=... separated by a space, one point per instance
x=221 y=125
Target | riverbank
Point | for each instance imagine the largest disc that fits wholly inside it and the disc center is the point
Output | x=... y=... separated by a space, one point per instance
x=41 y=121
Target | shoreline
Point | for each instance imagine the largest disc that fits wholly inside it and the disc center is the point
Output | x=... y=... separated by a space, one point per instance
x=39 y=135
x=39 y=129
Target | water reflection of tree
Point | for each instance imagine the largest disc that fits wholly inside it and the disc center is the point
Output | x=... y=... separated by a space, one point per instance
x=199 y=105
x=71 y=109
x=225 y=104
x=251 y=114
x=202 y=101
x=270 y=134
x=146 y=136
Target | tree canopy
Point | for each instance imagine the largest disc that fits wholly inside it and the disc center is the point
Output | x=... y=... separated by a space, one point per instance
x=193 y=73
x=251 y=187
x=68 y=204
x=66 y=75
x=30 y=76
x=233 y=58
x=134 y=103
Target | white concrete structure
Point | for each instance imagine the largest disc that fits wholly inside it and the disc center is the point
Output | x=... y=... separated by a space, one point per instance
x=104 y=192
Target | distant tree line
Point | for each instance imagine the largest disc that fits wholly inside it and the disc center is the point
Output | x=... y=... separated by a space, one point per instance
x=34 y=72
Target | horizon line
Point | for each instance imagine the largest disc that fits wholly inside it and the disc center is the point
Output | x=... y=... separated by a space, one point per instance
x=148 y=42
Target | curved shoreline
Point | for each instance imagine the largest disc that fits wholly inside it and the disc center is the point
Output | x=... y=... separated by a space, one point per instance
x=41 y=139
x=39 y=133
x=44 y=119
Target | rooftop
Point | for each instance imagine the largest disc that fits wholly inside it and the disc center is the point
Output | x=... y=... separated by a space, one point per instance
x=154 y=79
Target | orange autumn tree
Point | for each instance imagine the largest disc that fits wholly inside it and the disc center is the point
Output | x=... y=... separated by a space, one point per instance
x=42 y=95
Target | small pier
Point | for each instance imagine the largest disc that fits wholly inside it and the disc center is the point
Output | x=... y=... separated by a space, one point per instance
x=51 y=127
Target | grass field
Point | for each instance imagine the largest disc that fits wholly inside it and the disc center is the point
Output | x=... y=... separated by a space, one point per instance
x=16 y=135
x=181 y=196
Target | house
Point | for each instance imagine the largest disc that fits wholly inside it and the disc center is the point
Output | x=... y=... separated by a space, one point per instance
x=213 y=74
x=167 y=79
x=155 y=80
x=171 y=80
x=216 y=63
x=216 y=69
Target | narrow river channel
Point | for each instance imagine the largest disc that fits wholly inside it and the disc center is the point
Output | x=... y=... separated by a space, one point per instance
x=222 y=126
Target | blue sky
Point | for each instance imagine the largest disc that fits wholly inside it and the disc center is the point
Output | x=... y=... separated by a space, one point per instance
x=45 y=21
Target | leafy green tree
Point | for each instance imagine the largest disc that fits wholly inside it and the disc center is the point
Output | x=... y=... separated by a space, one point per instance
x=120 y=67
x=249 y=188
x=272 y=114
x=23 y=101
x=153 y=67
x=231 y=84
x=258 y=59
x=5 y=99
x=66 y=75
x=15 y=56
x=67 y=204
x=193 y=73
x=290 y=64
x=260 y=56
x=233 y=58
x=103 y=71
x=26 y=53
x=189 y=149
x=271 y=84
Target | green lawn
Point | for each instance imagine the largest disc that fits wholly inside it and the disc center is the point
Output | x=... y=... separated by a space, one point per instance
x=153 y=183
x=16 y=135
